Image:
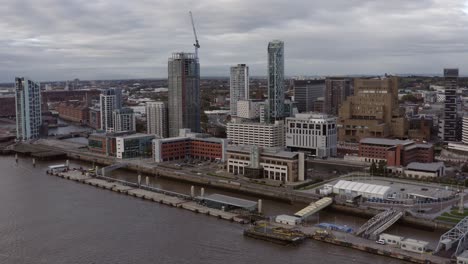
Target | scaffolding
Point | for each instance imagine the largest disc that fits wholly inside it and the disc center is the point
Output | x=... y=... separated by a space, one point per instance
x=457 y=235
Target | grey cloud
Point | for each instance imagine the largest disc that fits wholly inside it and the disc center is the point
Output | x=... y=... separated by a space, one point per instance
x=64 y=39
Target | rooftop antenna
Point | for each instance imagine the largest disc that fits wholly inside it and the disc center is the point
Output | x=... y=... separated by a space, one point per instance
x=196 y=44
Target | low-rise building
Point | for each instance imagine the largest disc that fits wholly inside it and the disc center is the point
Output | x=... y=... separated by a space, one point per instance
x=133 y=146
x=391 y=239
x=260 y=134
x=74 y=111
x=189 y=145
x=268 y=163
x=351 y=188
x=414 y=245
x=313 y=133
x=395 y=152
x=419 y=170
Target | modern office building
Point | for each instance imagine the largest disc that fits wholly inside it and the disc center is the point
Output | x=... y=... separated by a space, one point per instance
x=134 y=146
x=450 y=105
x=259 y=134
x=275 y=81
x=306 y=92
x=28 y=109
x=373 y=111
x=184 y=93
x=313 y=133
x=249 y=109
x=110 y=100
x=124 y=120
x=189 y=145
x=268 y=163
x=336 y=92
x=156 y=119
x=239 y=86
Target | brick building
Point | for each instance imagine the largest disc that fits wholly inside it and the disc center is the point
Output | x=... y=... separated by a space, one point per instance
x=189 y=145
x=74 y=111
x=94 y=117
x=7 y=106
x=395 y=152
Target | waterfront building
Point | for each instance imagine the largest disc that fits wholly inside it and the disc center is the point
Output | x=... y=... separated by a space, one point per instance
x=418 y=170
x=74 y=111
x=275 y=81
x=110 y=100
x=184 y=93
x=373 y=111
x=259 y=134
x=306 y=92
x=189 y=145
x=336 y=92
x=133 y=146
x=313 y=133
x=395 y=152
x=94 y=117
x=7 y=106
x=268 y=163
x=28 y=109
x=239 y=86
x=124 y=120
x=156 y=119
x=449 y=129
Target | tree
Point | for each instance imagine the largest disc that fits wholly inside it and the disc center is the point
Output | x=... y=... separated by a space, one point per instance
x=373 y=168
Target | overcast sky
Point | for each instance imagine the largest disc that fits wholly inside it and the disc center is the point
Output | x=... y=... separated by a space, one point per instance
x=120 y=39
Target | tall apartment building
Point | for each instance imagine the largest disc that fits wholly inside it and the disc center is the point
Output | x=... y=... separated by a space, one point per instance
x=306 y=92
x=313 y=133
x=450 y=106
x=275 y=104
x=28 y=109
x=184 y=93
x=373 y=111
x=249 y=109
x=124 y=120
x=239 y=86
x=336 y=92
x=465 y=129
x=110 y=100
x=260 y=134
x=156 y=119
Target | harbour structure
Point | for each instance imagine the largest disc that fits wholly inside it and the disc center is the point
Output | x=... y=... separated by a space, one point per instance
x=28 y=109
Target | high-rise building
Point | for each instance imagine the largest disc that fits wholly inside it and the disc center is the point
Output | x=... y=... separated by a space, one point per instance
x=450 y=105
x=249 y=109
x=465 y=129
x=124 y=120
x=184 y=93
x=275 y=104
x=28 y=109
x=110 y=99
x=239 y=86
x=336 y=92
x=314 y=133
x=373 y=111
x=306 y=93
x=156 y=119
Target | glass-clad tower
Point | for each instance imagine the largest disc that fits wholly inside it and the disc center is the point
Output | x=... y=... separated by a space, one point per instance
x=275 y=80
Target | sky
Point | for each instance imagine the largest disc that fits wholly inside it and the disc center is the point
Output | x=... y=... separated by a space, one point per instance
x=123 y=39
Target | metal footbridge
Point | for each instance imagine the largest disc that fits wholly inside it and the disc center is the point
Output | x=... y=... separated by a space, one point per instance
x=379 y=223
x=455 y=241
x=314 y=207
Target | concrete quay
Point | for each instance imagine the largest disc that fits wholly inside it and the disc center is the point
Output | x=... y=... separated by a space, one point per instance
x=81 y=177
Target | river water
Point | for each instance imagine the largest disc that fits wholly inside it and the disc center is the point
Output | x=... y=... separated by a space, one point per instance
x=46 y=219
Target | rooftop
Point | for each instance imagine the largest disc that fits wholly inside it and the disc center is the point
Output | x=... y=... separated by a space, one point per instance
x=431 y=167
x=277 y=152
x=137 y=135
x=385 y=141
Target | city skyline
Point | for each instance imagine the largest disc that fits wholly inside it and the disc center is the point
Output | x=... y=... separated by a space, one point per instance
x=133 y=39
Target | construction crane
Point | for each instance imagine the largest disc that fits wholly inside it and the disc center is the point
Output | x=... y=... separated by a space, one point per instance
x=196 y=44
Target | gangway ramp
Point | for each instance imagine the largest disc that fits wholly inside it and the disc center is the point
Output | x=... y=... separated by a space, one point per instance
x=379 y=223
x=314 y=207
x=105 y=171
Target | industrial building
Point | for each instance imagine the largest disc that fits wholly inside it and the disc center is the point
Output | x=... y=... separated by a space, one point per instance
x=373 y=111
x=259 y=134
x=343 y=187
x=189 y=145
x=313 y=133
x=74 y=111
x=268 y=163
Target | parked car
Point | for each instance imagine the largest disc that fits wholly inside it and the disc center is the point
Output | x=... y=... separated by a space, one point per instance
x=380 y=242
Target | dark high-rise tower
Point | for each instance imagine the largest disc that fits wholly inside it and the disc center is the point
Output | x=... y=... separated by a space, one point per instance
x=450 y=106
x=336 y=92
x=184 y=93
x=275 y=80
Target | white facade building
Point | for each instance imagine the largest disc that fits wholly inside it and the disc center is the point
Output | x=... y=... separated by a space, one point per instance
x=312 y=132
x=343 y=187
x=124 y=120
x=28 y=109
x=259 y=134
x=110 y=99
x=239 y=86
x=249 y=109
x=156 y=118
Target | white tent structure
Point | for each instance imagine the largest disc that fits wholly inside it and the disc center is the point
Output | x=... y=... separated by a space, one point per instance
x=367 y=190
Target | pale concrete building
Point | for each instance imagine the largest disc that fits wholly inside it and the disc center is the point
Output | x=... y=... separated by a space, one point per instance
x=239 y=86
x=156 y=119
x=259 y=134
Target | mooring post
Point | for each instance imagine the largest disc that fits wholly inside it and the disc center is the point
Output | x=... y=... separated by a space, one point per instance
x=139 y=180
x=34 y=162
x=16 y=157
x=192 y=191
x=147 y=181
x=259 y=207
x=202 y=192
